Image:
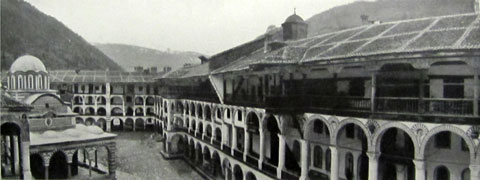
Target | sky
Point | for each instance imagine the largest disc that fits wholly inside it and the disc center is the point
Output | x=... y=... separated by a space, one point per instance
x=204 y=26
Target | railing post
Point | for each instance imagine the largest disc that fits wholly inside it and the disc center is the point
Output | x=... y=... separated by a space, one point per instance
x=421 y=91
x=373 y=92
x=476 y=84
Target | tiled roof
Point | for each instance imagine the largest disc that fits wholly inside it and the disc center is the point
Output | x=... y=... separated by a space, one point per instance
x=10 y=102
x=101 y=76
x=416 y=35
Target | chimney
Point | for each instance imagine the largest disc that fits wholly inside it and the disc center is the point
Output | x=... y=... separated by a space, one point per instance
x=203 y=59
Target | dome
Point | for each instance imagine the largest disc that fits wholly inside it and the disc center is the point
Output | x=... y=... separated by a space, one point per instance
x=294 y=19
x=27 y=63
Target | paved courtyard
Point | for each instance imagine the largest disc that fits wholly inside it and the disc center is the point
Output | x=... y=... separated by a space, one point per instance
x=138 y=157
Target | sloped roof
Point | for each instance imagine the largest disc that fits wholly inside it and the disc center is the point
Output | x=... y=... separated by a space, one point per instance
x=10 y=102
x=416 y=35
x=101 y=76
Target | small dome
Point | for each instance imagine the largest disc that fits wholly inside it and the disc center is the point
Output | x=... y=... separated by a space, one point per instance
x=294 y=19
x=27 y=63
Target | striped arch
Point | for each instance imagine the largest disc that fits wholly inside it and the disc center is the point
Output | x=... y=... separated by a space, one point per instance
x=347 y=121
x=384 y=127
x=452 y=129
x=309 y=124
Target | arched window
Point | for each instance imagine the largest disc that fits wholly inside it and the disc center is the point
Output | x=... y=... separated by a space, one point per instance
x=318 y=157
x=466 y=174
x=20 y=82
x=30 y=82
x=40 y=82
x=442 y=173
x=13 y=86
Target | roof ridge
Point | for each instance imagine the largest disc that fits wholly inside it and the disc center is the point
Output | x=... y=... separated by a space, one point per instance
x=420 y=34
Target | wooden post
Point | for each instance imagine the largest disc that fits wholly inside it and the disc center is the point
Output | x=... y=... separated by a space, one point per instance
x=373 y=91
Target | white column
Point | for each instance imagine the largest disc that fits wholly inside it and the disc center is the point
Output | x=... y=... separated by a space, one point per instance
x=304 y=160
x=234 y=138
x=26 y=160
x=281 y=155
x=262 y=149
x=16 y=157
x=476 y=84
x=474 y=171
x=334 y=163
x=419 y=169
x=373 y=165
x=246 y=146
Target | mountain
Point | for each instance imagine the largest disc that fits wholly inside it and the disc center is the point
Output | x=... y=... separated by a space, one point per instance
x=349 y=15
x=26 y=30
x=129 y=56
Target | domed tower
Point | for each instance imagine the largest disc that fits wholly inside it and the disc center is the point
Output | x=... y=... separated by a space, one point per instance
x=294 y=28
x=27 y=74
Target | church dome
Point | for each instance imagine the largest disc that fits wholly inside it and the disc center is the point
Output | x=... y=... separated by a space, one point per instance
x=27 y=63
x=294 y=19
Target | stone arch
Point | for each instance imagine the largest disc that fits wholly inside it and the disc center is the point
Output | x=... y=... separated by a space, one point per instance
x=218 y=113
x=308 y=126
x=354 y=121
x=116 y=100
x=78 y=110
x=101 y=111
x=216 y=164
x=271 y=117
x=200 y=110
x=37 y=166
x=139 y=124
x=150 y=101
x=89 y=111
x=238 y=115
x=447 y=128
x=208 y=112
x=237 y=172
x=441 y=172
x=58 y=167
x=89 y=121
x=138 y=100
x=139 y=111
x=78 y=100
x=79 y=120
x=227 y=113
x=101 y=100
x=383 y=128
x=102 y=123
x=130 y=123
x=116 y=111
x=209 y=131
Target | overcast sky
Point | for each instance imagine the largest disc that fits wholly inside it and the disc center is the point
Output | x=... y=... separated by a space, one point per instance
x=204 y=26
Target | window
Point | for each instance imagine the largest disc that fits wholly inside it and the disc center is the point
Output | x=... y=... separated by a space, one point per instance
x=328 y=157
x=357 y=87
x=443 y=140
x=350 y=131
x=318 y=157
x=318 y=127
x=140 y=88
x=442 y=173
x=47 y=105
x=453 y=87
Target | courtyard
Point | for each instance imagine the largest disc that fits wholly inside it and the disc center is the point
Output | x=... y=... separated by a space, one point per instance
x=138 y=157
